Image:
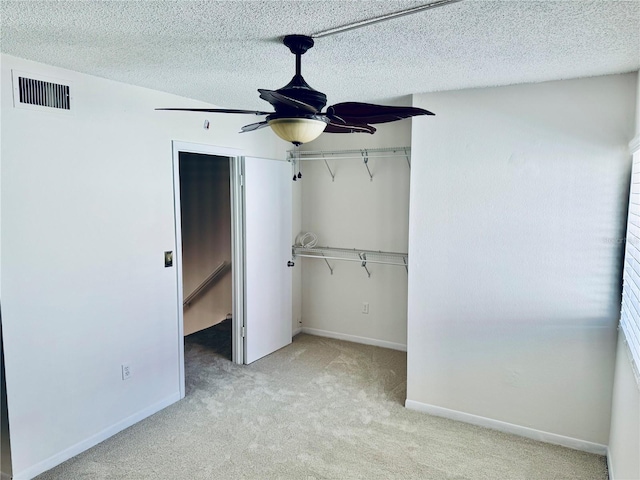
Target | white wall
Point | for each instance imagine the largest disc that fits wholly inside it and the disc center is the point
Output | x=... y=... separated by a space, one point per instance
x=87 y=212
x=638 y=107
x=518 y=198
x=624 y=442
x=624 y=437
x=354 y=212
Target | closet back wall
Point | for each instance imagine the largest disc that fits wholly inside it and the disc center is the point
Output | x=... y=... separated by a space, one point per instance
x=354 y=212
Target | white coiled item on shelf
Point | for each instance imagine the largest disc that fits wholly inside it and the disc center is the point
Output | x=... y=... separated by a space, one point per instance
x=307 y=240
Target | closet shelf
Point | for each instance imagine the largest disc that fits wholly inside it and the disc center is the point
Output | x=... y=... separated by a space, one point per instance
x=364 y=257
x=363 y=154
x=389 y=152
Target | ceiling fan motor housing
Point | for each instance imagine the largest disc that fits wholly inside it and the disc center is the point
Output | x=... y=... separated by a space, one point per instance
x=300 y=90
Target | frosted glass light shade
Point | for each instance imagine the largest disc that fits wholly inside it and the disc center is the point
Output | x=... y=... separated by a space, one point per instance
x=297 y=130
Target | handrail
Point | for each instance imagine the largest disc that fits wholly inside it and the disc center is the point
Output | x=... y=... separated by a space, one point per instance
x=207 y=281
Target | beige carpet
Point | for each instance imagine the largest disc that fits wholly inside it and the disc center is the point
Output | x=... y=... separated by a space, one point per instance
x=317 y=409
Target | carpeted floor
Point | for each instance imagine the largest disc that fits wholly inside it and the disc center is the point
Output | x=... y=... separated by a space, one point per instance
x=317 y=409
x=216 y=340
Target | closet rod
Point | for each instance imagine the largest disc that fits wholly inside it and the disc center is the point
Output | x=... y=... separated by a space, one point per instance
x=389 y=152
x=359 y=260
x=363 y=257
x=352 y=255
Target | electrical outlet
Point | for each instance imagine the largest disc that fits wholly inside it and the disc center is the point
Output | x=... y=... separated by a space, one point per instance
x=126 y=371
x=365 y=307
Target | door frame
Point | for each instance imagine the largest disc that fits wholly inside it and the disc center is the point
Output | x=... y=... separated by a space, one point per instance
x=235 y=157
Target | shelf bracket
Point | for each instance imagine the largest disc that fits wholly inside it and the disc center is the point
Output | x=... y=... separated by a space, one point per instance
x=407 y=156
x=363 y=257
x=328 y=265
x=365 y=157
x=333 y=175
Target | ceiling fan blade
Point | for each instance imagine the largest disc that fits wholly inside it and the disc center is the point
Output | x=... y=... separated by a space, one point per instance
x=217 y=110
x=363 y=113
x=254 y=126
x=284 y=102
x=340 y=127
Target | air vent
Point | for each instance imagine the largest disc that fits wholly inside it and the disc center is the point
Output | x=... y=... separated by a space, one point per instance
x=46 y=94
x=37 y=92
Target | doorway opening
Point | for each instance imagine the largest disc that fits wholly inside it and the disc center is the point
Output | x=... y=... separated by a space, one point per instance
x=242 y=251
x=213 y=295
x=206 y=228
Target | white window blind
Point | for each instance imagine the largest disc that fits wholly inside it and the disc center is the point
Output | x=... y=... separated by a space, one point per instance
x=630 y=315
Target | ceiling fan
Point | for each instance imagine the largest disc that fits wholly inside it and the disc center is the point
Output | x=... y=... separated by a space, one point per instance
x=298 y=117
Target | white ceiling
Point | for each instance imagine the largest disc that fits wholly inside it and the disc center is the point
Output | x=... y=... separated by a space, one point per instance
x=222 y=51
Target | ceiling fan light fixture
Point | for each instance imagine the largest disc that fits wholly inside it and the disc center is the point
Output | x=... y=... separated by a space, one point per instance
x=297 y=130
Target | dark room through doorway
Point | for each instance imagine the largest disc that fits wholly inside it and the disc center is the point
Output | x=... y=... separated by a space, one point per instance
x=205 y=208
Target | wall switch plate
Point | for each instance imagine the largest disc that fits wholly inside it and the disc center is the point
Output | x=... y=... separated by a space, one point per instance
x=126 y=371
x=365 y=307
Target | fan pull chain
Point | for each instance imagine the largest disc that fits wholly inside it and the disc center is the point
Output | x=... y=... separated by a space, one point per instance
x=299 y=175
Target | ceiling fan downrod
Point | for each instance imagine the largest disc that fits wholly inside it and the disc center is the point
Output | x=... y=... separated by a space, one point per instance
x=298 y=44
x=298 y=88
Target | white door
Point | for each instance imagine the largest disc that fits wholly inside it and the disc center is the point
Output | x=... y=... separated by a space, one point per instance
x=267 y=238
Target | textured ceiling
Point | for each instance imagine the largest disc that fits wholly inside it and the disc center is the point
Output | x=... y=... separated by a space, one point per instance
x=222 y=51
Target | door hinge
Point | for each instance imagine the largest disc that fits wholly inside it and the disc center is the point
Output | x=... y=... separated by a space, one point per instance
x=243 y=332
x=242 y=180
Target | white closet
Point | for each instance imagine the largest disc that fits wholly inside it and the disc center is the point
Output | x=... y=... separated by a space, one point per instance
x=354 y=280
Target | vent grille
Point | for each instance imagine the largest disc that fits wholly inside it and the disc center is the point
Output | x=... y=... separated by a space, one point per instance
x=46 y=94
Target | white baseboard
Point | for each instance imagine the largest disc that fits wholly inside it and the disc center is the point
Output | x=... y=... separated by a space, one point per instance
x=84 y=445
x=355 y=339
x=527 y=432
x=610 y=465
x=296 y=332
